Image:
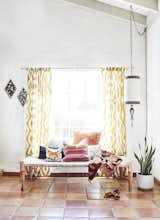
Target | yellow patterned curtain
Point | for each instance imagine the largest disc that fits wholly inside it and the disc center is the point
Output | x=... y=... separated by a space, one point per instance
x=113 y=136
x=38 y=111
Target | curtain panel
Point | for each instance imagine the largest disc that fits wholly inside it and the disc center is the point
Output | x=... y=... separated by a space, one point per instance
x=113 y=136
x=38 y=111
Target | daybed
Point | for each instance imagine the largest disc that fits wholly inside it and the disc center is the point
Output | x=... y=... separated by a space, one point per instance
x=34 y=162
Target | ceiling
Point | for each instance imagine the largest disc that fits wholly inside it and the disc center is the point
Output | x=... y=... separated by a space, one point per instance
x=121 y=8
x=143 y=7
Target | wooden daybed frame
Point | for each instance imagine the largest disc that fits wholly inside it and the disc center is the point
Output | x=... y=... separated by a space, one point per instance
x=32 y=162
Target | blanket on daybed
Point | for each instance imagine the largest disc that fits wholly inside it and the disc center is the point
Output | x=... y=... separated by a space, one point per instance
x=106 y=164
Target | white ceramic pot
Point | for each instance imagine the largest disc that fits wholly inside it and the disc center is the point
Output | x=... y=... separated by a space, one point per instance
x=145 y=182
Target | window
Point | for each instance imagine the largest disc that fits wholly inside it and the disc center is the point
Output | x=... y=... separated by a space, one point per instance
x=76 y=101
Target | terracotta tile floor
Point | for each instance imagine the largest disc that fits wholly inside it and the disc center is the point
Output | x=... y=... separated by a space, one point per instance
x=75 y=198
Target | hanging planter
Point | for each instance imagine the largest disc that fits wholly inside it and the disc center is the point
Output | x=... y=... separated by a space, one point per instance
x=132 y=93
x=132 y=81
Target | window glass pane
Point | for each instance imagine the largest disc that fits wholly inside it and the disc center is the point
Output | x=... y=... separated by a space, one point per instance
x=61 y=103
x=60 y=84
x=76 y=86
x=76 y=101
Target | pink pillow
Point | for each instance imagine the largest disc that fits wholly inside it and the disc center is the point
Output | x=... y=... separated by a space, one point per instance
x=75 y=153
x=93 y=137
x=75 y=159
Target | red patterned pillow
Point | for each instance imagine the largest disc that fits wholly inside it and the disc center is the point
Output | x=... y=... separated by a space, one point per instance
x=75 y=153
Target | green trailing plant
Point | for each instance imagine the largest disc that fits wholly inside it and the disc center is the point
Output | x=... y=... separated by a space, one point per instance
x=145 y=159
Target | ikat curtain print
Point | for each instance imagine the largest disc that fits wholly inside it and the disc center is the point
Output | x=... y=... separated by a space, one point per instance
x=113 y=137
x=38 y=108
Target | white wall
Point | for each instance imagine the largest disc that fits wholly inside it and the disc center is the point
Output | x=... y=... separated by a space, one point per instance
x=154 y=87
x=57 y=33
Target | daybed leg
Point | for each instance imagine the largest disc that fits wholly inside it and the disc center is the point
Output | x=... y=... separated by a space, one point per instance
x=22 y=174
x=120 y=172
x=30 y=172
x=130 y=177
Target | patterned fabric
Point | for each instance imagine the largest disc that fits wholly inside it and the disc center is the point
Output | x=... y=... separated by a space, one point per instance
x=54 y=154
x=93 y=169
x=107 y=164
x=38 y=112
x=113 y=135
x=75 y=153
x=75 y=159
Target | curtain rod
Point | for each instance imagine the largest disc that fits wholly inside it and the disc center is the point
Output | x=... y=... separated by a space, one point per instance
x=69 y=68
x=61 y=68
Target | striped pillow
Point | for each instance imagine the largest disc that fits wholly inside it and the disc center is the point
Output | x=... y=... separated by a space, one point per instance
x=75 y=153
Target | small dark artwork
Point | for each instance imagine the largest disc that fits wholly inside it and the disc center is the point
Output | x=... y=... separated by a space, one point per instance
x=10 y=88
x=22 y=96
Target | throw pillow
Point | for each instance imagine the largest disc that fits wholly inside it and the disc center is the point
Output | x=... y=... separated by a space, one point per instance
x=94 y=151
x=42 y=152
x=83 y=142
x=56 y=143
x=54 y=154
x=75 y=153
x=93 y=137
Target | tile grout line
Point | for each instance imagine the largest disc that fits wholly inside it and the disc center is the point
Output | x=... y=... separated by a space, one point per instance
x=13 y=215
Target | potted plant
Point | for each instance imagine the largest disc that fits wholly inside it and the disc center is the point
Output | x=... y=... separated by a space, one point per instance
x=145 y=179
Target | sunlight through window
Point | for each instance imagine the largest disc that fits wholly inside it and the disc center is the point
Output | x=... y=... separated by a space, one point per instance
x=76 y=101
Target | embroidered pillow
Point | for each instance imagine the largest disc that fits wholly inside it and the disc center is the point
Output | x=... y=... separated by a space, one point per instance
x=54 y=154
x=75 y=153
